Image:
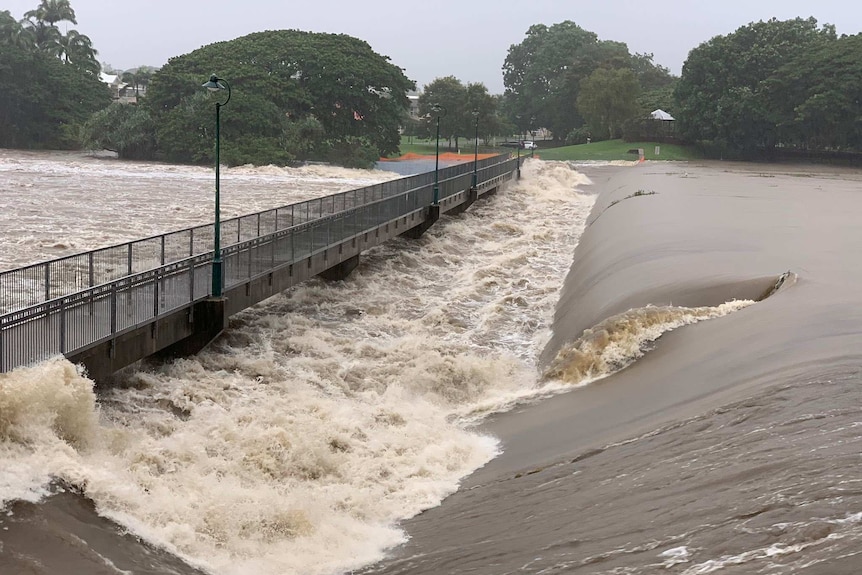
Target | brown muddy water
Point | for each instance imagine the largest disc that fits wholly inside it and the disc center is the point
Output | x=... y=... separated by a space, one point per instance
x=668 y=417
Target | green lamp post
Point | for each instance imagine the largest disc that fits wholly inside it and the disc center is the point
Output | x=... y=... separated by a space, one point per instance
x=519 y=145
x=216 y=84
x=440 y=111
x=476 y=151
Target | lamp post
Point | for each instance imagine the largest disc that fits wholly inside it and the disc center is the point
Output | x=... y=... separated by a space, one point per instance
x=440 y=111
x=532 y=135
x=216 y=84
x=476 y=151
x=519 y=145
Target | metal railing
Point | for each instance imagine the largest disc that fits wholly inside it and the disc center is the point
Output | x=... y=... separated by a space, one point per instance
x=37 y=283
x=76 y=321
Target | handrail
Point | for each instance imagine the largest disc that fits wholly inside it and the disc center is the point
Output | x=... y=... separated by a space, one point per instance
x=39 y=282
x=77 y=321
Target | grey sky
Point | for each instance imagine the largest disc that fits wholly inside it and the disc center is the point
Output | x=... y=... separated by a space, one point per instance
x=468 y=39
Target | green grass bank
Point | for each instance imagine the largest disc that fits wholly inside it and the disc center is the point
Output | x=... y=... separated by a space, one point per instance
x=619 y=150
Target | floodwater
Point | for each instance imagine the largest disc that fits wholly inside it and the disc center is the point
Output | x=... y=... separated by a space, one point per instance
x=681 y=397
x=55 y=204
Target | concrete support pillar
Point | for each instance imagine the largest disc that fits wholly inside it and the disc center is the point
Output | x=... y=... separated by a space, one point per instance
x=416 y=232
x=208 y=320
x=340 y=271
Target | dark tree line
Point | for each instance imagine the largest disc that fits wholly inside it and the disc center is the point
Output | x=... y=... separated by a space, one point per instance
x=50 y=80
x=773 y=85
x=566 y=79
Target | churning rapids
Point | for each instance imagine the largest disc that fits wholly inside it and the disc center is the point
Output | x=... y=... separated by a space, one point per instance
x=324 y=418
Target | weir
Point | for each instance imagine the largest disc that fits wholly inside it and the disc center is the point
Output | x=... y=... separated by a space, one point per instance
x=111 y=307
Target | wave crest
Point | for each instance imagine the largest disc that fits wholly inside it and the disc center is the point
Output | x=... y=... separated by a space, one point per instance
x=619 y=340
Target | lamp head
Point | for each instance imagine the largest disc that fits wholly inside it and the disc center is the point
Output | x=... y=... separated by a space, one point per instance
x=214 y=84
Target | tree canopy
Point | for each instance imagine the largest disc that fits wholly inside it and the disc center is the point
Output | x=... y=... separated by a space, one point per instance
x=723 y=94
x=332 y=87
x=543 y=74
x=608 y=97
x=50 y=80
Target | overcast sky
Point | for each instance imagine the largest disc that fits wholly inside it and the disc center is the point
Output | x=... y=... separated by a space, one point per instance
x=468 y=39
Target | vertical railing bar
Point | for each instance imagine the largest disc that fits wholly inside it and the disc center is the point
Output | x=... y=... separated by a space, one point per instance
x=47 y=281
x=113 y=308
x=92 y=271
x=249 y=252
x=156 y=280
x=130 y=258
x=191 y=281
x=63 y=325
x=163 y=249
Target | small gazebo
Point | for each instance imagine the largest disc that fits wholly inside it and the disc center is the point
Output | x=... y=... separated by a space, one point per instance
x=661 y=115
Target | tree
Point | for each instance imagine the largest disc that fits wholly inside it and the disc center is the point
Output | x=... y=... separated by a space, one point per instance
x=53 y=11
x=77 y=49
x=125 y=129
x=542 y=74
x=356 y=96
x=722 y=92
x=817 y=97
x=138 y=77
x=651 y=76
x=44 y=102
x=40 y=29
x=608 y=97
x=50 y=85
x=12 y=34
x=451 y=94
x=479 y=100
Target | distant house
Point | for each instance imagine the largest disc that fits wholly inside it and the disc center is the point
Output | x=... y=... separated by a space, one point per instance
x=414 y=105
x=119 y=90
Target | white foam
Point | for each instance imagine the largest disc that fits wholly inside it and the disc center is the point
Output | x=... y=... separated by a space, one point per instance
x=327 y=415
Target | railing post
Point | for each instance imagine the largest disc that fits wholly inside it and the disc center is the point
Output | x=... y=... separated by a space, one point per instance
x=163 y=249
x=191 y=281
x=2 y=349
x=130 y=258
x=156 y=280
x=47 y=281
x=255 y=242
x=113 y=308
x=92 y=271
x=191 y=242
x=63 y=325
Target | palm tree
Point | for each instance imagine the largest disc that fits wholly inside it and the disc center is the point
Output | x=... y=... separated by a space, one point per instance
x=11 y=31
x=52 y=11
x=42 y=24
x=77 y=49
x=42 y=35
x=138 y=77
